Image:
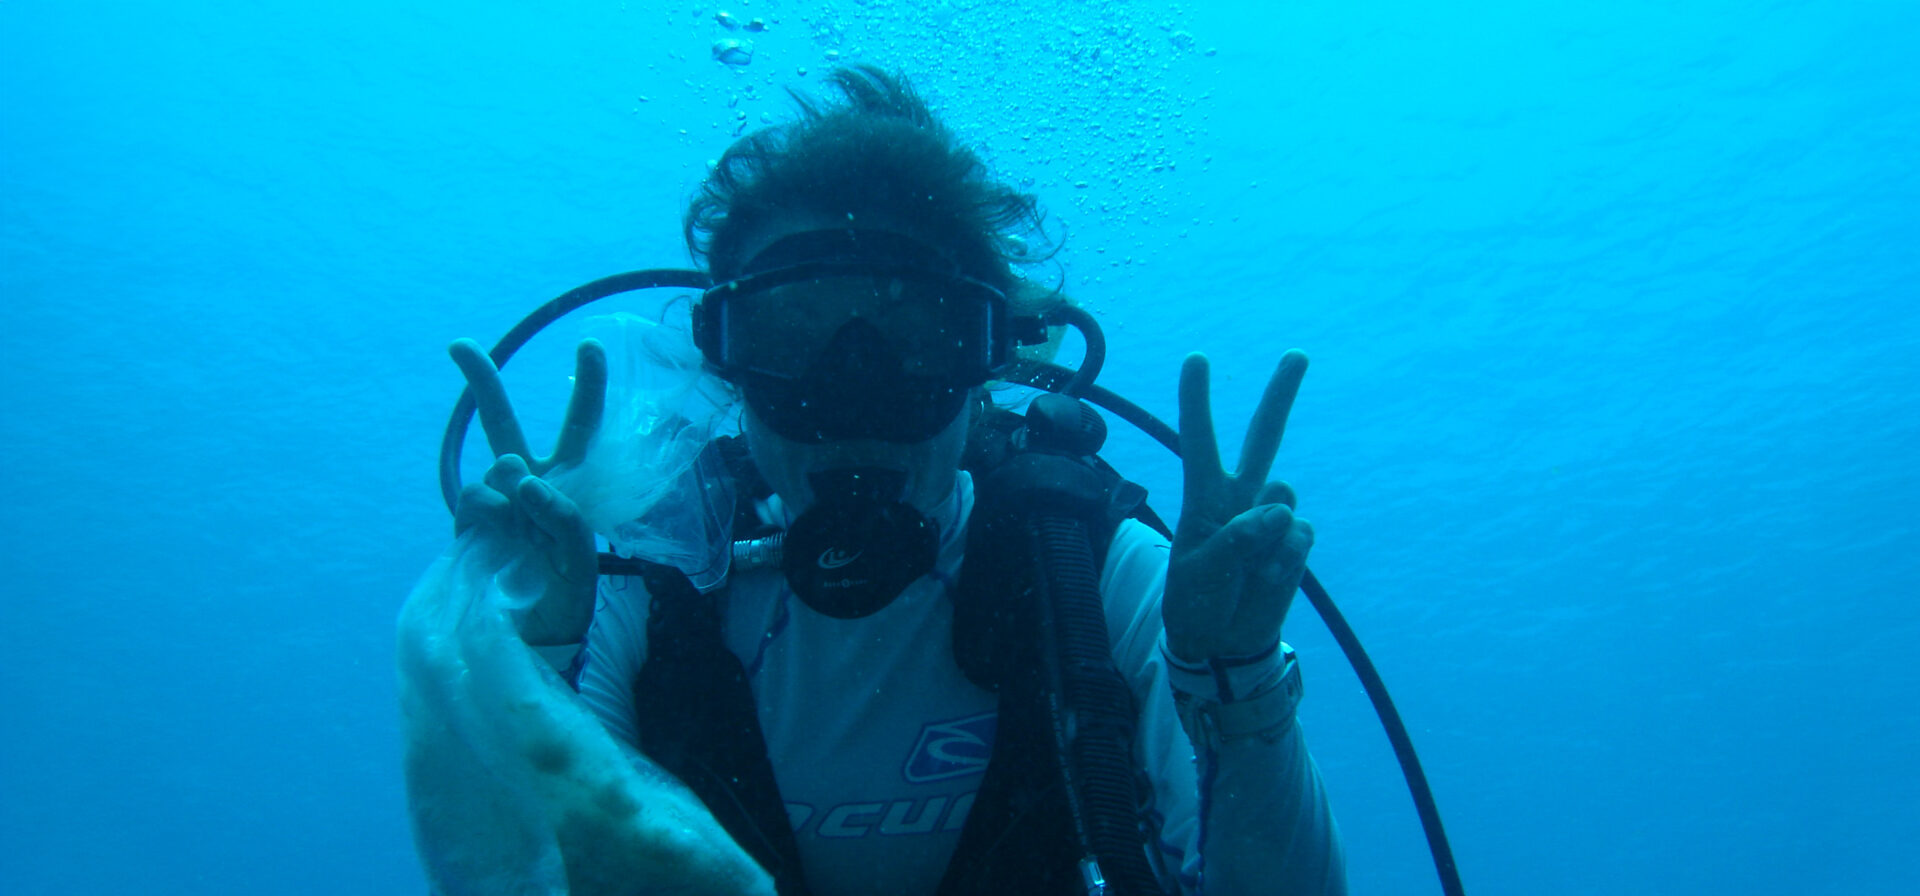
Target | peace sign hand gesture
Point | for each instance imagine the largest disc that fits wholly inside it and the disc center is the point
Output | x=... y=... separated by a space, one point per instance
x=547 y=543
x=1239 y=553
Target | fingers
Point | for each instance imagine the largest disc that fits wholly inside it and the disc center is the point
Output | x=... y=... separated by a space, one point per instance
x=1286 y=561
x=490 y=397
x=1228 y=594
x=1199 y=453
x=549 y=511
x=1270 y=421
x=493 y=501
x=480 y=505
x=1267 y=544
x=505 y=474
x=587 y=406
x=1243 y=537
x=1261 y=529
x=1277 y=493
x=1270 y=542
x=525 y=510
x=510 y=478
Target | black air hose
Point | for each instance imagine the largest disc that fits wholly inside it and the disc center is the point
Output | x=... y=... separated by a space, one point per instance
x=1097 y=740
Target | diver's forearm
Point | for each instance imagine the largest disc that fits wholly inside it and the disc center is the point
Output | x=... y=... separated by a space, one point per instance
x=1266 y=827
x=514 y=785
x=1269 y=828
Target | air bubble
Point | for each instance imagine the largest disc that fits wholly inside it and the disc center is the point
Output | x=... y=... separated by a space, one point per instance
x=732 y=52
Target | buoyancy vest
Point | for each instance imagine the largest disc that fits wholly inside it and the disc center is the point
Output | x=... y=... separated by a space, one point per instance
x=1060 y=805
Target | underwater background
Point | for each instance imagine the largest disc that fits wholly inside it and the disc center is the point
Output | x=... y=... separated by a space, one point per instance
x=1609 y=438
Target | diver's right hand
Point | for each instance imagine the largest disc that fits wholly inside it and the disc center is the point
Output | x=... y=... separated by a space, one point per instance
x=546 y=545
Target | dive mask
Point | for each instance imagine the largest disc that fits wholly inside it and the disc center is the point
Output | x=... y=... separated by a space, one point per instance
x=856 y=334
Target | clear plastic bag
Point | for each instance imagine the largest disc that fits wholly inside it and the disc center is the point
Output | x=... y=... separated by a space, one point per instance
x=647 y=485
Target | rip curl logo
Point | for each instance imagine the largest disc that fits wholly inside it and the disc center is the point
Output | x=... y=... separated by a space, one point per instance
x=952 y=749
x=893 y=818
x=834 y=558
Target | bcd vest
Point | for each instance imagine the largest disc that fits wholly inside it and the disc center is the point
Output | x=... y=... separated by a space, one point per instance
x=1061 y=791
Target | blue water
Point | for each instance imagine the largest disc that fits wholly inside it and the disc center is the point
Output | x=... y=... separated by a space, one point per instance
x=1609 y=436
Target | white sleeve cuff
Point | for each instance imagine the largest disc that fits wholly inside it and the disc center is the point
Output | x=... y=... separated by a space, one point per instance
x=1232 y=698
x=1227 y=679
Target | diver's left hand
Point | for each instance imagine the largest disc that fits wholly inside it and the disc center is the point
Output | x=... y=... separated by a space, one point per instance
x=1239 y=553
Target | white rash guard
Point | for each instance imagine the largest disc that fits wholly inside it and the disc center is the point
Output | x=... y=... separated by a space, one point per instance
x=878 y=741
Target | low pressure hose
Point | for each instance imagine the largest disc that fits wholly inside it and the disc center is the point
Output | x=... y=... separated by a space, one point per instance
x=1099 y=732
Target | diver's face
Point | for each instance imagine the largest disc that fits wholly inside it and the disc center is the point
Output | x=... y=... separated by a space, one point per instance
x=931 y=466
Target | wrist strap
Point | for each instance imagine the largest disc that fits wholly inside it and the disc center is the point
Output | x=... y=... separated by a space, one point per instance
x=1267 y=714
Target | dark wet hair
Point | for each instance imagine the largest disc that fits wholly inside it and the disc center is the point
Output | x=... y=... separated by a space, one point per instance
x=878 y=152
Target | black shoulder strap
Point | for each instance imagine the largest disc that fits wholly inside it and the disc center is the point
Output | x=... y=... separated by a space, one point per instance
x=695 y=714
x=1061 y=786
x=986 y=624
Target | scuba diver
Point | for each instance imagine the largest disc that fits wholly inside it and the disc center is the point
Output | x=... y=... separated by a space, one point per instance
x=954 y=652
